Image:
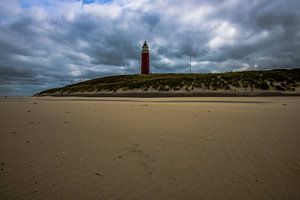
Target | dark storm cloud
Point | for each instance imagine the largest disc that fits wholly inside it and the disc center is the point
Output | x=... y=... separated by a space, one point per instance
x=46 y=44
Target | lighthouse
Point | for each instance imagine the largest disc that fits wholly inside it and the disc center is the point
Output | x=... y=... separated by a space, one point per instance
x=145 y=59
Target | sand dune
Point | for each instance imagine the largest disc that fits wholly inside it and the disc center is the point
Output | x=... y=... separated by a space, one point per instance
x=158 y=148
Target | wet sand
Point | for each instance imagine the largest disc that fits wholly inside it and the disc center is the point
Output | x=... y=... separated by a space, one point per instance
x=150 y=148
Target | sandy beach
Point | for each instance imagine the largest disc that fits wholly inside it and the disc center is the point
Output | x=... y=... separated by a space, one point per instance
x=150 y=148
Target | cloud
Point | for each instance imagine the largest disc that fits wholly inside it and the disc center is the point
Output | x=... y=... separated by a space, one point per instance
x=49 y=43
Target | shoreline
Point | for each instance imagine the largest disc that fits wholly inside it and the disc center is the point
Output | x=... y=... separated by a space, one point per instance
x=175 y=94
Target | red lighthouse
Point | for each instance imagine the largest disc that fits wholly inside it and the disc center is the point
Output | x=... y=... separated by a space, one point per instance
x=145 y=59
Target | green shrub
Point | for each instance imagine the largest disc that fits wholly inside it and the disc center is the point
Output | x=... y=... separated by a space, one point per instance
x=278 y=87
x=264 y=86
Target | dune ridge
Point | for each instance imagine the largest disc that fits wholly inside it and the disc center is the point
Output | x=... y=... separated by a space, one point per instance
x=277 y=82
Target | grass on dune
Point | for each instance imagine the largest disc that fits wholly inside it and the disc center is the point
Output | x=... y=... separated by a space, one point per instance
x=278 y=79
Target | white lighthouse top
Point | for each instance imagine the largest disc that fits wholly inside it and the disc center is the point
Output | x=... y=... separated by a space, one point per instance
x=145 y=47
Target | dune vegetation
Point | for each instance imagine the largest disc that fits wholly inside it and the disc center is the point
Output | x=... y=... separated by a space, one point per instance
x=278 y=80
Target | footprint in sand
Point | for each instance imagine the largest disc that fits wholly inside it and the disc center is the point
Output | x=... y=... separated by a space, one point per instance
x=13 y=132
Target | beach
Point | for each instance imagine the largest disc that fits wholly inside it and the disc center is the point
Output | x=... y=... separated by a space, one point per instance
x=150 y=148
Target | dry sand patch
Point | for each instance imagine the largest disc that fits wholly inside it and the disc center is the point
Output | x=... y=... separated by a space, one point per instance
x=157 y=148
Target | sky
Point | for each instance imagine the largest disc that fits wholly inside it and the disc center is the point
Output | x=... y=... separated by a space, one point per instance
x=53 y=43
